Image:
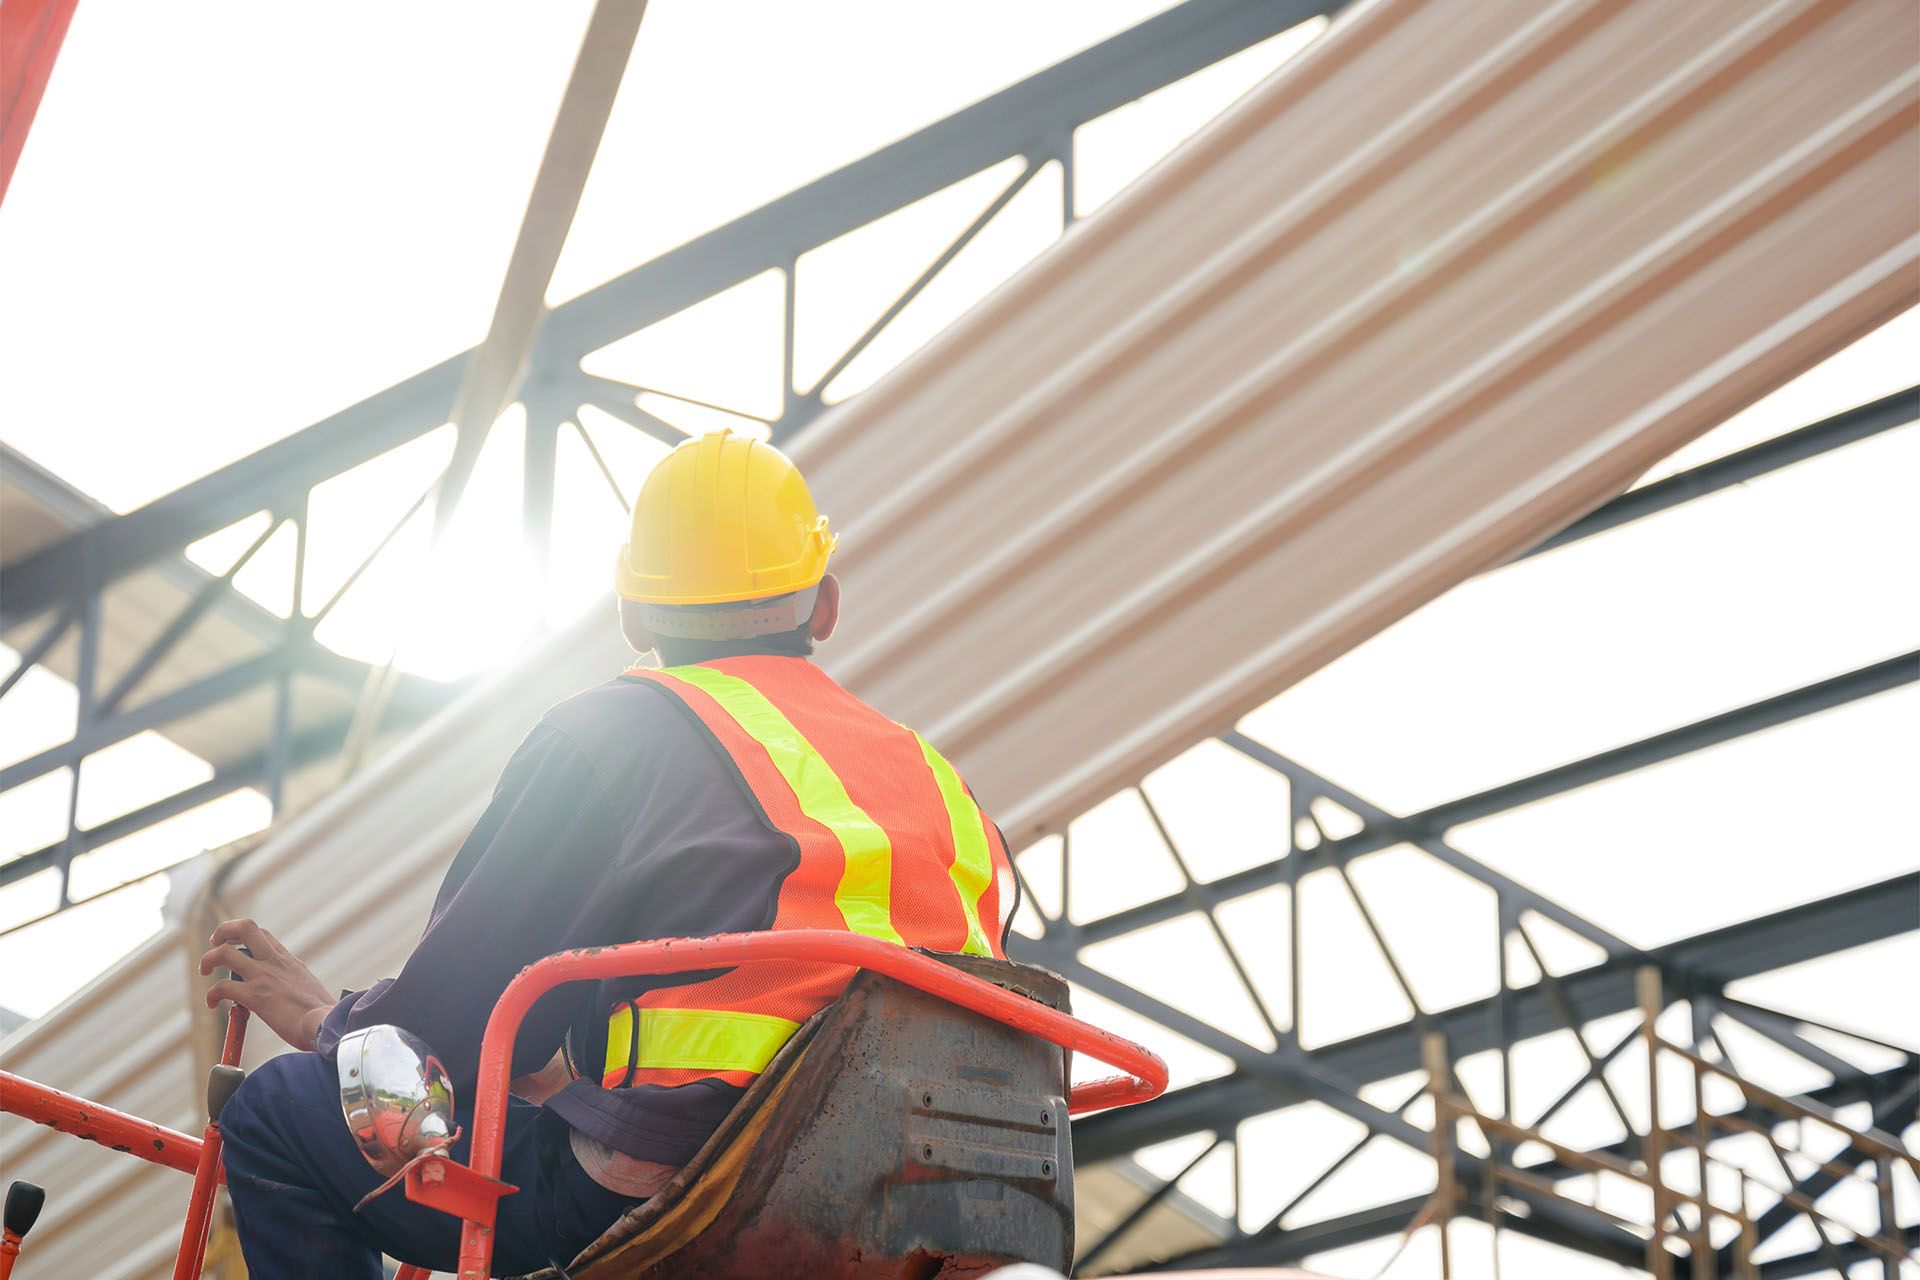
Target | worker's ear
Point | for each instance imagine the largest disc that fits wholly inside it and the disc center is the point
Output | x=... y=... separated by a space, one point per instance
x=826 y=609
x=638 y=638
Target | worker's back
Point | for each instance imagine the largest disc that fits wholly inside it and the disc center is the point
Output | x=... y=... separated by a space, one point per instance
x=735 y=795
x=887 y=842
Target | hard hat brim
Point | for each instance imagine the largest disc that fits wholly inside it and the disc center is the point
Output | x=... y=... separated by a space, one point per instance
x=804 y=573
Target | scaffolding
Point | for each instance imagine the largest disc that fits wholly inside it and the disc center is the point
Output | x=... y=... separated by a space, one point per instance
x=1648 y=1154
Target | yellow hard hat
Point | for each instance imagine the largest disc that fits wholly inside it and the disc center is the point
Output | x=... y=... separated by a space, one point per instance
x=720 y=519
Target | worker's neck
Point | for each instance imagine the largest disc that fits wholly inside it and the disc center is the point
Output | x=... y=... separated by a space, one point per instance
x=682 y=655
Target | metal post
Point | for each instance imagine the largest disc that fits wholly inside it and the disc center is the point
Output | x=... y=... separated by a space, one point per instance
x=86 y=686
x=789 y=323
x=539 y=450
x=1500 y=1151
x=1743 y=1265
x=1433 y=1052
x=293 y=632
x=1063 y=152
x=1647 y=987
x=1705 y=1261
x=221 y=1084
x=1889 y=1222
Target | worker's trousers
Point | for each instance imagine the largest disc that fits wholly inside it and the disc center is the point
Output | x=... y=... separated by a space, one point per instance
x=295 y=1173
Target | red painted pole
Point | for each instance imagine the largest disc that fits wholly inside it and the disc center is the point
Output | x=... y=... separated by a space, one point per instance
x=30 y=36
x=472 y=1191
x=188 y=1262
x=152 y=1142
x=191 y=1259
x=1146 y=1078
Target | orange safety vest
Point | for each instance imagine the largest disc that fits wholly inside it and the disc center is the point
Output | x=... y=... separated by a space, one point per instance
x=892 y=845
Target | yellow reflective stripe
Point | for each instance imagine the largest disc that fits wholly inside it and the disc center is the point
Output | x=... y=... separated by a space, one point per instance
x=696 y=1039
x=619 y=1040
x=864 y=895
x=972 y=868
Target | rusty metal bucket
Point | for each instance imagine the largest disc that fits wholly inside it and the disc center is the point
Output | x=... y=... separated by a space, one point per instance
x=897 y=1137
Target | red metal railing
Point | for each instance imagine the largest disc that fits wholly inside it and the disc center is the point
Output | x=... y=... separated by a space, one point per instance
x=154 y=1143
x=89 y=1120
x=188 y=1263
x=471 y=1191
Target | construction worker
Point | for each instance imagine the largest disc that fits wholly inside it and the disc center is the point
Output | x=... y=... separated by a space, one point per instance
x=735 y=788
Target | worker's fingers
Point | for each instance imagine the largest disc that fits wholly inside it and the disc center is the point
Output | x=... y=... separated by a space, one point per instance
x=243 y=931
x=225 y=989
x=229 y=956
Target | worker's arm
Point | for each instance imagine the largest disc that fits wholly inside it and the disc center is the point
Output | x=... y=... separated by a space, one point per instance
x=536 y=875
x=532 y=878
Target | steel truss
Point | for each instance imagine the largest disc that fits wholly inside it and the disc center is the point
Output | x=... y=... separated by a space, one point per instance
x=1697 y=969
x=66 y=583
x=62 y=587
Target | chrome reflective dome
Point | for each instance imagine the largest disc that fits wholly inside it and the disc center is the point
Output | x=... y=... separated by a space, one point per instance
x=395 y=1094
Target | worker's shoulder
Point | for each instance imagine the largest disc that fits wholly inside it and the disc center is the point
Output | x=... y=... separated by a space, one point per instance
x=614 y=713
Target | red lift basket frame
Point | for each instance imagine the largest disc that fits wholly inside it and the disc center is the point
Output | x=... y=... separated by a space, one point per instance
x=471 y=1191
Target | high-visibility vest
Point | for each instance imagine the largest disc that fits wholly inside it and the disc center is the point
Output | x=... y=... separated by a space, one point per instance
x=891 y=843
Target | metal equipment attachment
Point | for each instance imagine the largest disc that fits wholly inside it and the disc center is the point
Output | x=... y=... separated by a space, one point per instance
x=396 y=1097
x=24 y=1200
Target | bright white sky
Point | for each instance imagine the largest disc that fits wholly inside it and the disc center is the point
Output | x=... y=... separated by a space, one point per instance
x=233 y=219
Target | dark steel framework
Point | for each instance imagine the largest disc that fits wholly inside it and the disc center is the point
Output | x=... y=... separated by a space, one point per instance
x=1697 y=970
x=63 y=585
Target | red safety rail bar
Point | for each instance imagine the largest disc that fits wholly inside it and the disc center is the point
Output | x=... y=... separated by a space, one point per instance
x=151 y=1142
x=83 y=1119
x=471 y=1192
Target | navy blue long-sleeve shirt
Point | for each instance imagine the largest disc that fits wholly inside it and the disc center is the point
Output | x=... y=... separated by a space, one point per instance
x=617 y=819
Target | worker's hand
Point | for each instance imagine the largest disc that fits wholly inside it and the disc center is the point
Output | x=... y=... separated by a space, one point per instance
x=276 y=987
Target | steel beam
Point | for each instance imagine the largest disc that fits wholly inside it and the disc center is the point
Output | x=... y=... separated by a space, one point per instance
x=1290 y=1245
x=305 y=749
x=94 y=558
x=1353 y=1228
x=1429 y=823
x=1382 y=1220
x=1862 y=423
x=1768 y=713
x=1033 y=115
x=208 y=691
x=1388 y=1219
x=1704 y=962
x=1894 y=1111
x=1856 y=1085
x=76 y=511
x=493 y=375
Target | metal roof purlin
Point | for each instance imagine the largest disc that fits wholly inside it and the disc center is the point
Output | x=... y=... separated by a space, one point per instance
x=1027 y=115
